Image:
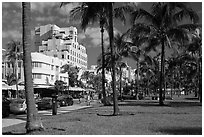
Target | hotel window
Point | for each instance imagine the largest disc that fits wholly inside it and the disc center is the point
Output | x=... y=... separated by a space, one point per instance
x=62 y=56
x=57 y=68
x=36 y=76
x=71 y=31
x=52 y=67
x=37 y=64
x=52 y=77
x=67 y=56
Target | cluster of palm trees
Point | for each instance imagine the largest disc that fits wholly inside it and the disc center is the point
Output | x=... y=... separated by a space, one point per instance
x=159 y=27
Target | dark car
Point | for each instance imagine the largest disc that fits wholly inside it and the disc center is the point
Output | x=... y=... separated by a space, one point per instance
x=65 y=100
x=44 y=103
x=5 y=107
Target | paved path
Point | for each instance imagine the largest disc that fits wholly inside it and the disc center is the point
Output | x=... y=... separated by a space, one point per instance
x=17 y=119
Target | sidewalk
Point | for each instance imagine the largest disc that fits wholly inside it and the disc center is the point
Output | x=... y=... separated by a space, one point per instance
x=17 y=119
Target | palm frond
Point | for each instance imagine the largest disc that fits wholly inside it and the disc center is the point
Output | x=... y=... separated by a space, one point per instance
x=178 y=34
x=189 y=27
x=152 y=44
x=141 y=13
x=119 y=13
x=187 y=13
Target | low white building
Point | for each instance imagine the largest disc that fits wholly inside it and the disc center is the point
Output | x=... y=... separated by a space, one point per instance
x=45 y=69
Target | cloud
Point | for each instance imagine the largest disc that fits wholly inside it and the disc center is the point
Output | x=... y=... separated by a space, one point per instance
x=40 y=6
x=64 y=10
x=5 y=5
x=42 y=19
x=13 y=34
x=94 y=35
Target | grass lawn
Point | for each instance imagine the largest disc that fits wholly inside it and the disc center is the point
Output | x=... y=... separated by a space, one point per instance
x=137 y=118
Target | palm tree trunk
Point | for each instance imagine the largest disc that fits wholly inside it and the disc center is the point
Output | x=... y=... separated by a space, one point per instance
x=161 y=76
x=115 y=95
x=200 y=77
x=137 y=77
x=16 y=72
x=68 y=82
x=33 y=121
x=103 y=68
x=121 y=83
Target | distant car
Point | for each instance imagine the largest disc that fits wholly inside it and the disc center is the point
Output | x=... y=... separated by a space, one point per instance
x=140 y=96
x=18 y=106
x=46 y=103
x=65 y=100
x=5 y=107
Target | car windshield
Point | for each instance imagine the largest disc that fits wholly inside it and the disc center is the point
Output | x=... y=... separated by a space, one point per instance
x=18 y=101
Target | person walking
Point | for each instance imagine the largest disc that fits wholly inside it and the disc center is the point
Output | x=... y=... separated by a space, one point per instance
x=88 y=99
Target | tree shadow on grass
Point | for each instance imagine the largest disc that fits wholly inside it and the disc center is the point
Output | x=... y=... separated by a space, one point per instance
x=184 y=104
x=145 y=104
x=120 y=114
x=13 y=133
x=166 y=104
x=182 y=130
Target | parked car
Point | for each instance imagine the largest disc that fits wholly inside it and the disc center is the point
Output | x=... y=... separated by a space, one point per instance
x=65 y=100
x=5 y=107
x=45 y=103
x=18 y=106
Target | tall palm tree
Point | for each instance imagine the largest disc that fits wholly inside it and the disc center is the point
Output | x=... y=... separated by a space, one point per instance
x=33 y=120
x=162 y=25
x=13 y=55
x=195 y=49
x=91 y=12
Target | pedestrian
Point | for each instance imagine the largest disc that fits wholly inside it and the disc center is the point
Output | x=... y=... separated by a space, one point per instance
x=88 y=99
x=79 y=98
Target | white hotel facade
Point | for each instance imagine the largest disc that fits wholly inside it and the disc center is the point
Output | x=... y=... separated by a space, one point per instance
x=56 y=47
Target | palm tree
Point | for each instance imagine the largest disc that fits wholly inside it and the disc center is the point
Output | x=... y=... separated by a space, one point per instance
x=194 y=48
x=66 y=69
x=86 y=75
x=13 y=55
x=162 y=26
x=33 y=121
x=121 y=65
x=91 y=12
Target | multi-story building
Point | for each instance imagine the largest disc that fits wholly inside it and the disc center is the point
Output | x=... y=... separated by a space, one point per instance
x=62 y=43
x=45 y=69
x=56 y=47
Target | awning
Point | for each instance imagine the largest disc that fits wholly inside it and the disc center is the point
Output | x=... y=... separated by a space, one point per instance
x=44 y=86
x=76 y=89
x=5 y=86
x=13 y=87
x=91 y=90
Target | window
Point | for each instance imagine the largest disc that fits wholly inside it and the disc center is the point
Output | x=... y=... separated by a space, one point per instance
x=36 y=76
x=52 y=67
x=57 y=68
x=71 y=31
x=62 y=56
x=37 y=64
x=52 y=77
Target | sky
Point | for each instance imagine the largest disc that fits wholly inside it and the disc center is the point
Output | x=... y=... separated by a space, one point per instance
x=43 y=13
